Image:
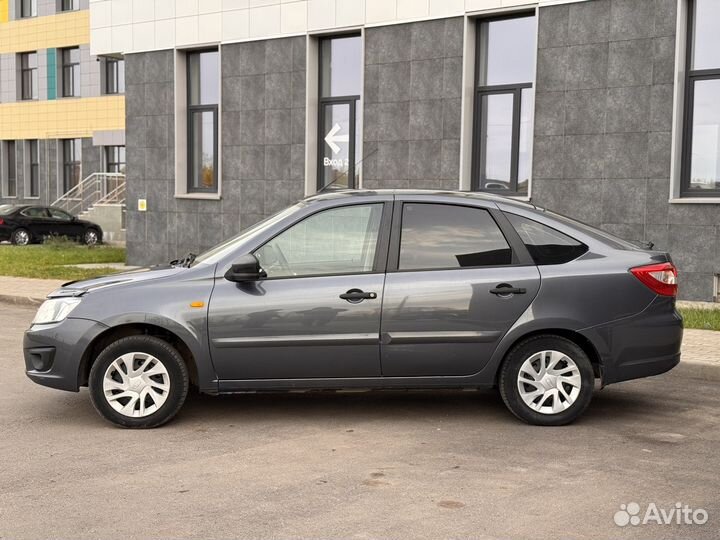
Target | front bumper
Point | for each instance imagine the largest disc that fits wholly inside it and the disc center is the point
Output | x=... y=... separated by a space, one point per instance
x=54 y=352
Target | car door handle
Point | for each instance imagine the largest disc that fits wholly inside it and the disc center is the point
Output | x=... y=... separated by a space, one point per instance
x=505 y=289
x=356 y=295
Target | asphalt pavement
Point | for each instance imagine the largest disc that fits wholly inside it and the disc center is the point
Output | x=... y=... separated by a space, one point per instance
x=348 y=465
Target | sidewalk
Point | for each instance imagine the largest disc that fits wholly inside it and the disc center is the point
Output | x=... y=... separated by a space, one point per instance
x=26 y=291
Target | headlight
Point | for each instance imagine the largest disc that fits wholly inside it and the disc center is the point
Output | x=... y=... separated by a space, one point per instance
x=55 y=310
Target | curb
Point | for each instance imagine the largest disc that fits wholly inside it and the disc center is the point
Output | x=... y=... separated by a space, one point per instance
x=21 y=300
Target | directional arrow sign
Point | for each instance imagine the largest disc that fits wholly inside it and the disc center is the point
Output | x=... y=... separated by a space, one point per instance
x=332 y=137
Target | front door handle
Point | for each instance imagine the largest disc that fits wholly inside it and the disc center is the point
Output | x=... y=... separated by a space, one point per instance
x=505 y=289
x=356 y=295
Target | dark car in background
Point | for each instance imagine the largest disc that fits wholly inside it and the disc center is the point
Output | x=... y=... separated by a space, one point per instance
x=28 y=224
x=371 y=290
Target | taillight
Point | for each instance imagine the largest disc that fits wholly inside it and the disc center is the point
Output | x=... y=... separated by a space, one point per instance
x=2 y=221
x=661 y=278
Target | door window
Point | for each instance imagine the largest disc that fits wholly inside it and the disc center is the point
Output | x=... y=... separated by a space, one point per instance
x=443 y=236
x=34 y=212
x=337 y=241
x=59 y=214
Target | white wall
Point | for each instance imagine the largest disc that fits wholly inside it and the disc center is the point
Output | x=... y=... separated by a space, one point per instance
x=125 y=26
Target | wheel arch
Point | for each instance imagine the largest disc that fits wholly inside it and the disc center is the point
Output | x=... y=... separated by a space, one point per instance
x=113 y=333
x=571 y=335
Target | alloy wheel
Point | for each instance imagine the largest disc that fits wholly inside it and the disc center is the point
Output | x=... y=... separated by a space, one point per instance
x=136 y=384
x=22 y=238
x=91 y=238
x=549 y=382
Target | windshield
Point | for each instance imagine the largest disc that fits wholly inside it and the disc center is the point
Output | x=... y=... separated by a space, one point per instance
x=213 y=255
x=6 y=209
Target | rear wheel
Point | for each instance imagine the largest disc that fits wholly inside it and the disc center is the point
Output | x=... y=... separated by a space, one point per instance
x=21 y=237
x=138 y=382
x=547 y=381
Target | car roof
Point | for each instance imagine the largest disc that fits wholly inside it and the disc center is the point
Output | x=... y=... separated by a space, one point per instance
x=473 y=195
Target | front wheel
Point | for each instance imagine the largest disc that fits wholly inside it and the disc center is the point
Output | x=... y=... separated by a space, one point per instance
x=91 y=237
x=138 y=382
x=547 y=381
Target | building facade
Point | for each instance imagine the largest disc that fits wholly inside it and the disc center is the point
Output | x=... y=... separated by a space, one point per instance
x=62 y=110
x=605 y=110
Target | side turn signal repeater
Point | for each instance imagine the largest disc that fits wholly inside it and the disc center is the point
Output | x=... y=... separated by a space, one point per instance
x=197 y=304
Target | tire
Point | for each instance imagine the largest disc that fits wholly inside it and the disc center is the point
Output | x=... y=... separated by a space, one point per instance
x=21 y=237
x=163 y=392
x=91 y=237
x=555 y=397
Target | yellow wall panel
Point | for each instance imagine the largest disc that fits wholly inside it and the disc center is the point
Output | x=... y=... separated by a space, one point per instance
x=61 y=30
x=61 y=118
x=4 y=11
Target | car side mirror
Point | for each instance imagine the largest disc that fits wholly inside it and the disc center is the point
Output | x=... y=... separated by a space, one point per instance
x=247 y=268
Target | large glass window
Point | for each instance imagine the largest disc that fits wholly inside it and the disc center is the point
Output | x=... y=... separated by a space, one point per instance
x=114 y=76
x=72 y=149
x=504 y=104
x=11 y=185
x=340 y=92
x=34 y=167
x=70 y=72
x=29 y=75
x=701 y=136
x=28 y=8
x=203 y=92
x=337 y=241
x=443 y=236
x=115 y=159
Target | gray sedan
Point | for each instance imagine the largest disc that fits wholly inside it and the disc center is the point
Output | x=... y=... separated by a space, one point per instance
x=372 y=290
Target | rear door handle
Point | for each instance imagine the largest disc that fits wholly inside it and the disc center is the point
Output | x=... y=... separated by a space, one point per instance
x=505 y=289
x=356 y=295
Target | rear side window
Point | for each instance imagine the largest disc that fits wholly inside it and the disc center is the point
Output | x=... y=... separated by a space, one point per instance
x=545 y=244
x=443 y=236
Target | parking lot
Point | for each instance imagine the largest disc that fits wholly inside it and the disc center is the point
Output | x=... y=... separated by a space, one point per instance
x=390 y=465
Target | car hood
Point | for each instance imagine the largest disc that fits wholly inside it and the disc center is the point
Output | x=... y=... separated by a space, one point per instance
x=78 y=288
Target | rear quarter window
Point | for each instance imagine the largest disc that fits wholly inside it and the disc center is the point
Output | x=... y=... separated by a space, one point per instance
x=545 y=244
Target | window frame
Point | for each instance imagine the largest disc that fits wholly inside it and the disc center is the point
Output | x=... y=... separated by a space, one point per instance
x=33 y=93
x=62 y=6
x=67 y=165
x=191 y=110
x=8 y=171
x=323 y=103
x=479 y=91
x=691 y=77
x=74 y=69
x=108 y=162
x=113 y=64
x=381 y=245
x=520 y=255
x=33 y=169
x=31 y=4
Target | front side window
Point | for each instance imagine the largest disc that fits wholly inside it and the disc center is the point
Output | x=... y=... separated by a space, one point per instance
x=337 y=241
x=71 y=163
x=545 y=244
x=115 y=159
x=59 y=214
x=340 y=92
x=203 y=71
x=11 y=185
x=70 y=72
x=701 y=136
x=443 y=236
x=504 y=104
x=114 y=76
x=34 y=153
x=28 y=8
x=29 y=75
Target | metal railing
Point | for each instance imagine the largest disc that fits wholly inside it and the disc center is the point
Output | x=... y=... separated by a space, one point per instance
x=108 y=188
